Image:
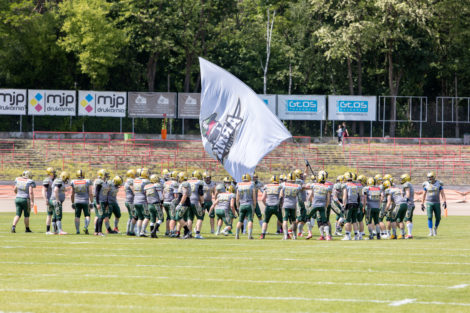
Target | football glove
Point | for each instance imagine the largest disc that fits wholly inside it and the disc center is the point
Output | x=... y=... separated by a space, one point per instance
x=307 y=163
x=73 y=206
x=444 y=205
x=422 y=207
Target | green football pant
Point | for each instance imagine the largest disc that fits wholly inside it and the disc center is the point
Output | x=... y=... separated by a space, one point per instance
x=246 y=211
x=79 y=207
x=22 y=206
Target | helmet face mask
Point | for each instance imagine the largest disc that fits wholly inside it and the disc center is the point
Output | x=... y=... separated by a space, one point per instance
x=378 y=178
x=231 y=189
x=321 y=177
x=371 y=181
x=51 y=171
x=431 y=177
x=27 y=174
x=103 y=174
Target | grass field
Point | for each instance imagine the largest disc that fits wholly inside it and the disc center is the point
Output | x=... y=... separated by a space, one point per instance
x=79 y=273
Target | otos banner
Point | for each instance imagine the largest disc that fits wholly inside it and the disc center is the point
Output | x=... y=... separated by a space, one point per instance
x=51 y=102
x=102 y=103
x=13 y=101
x=352 y=108
x=300 y=107
x=270 y=101
x=152 y=104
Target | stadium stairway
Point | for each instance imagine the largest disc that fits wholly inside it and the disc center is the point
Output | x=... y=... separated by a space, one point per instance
x=450 y=162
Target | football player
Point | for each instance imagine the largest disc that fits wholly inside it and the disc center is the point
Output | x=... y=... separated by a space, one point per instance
x=46 y=193
x=209 y=193
x=320 y=200
x=371 y=202
x=409 y=194
x=154 y=194
x=100 y=192
x=224 y=207
x=350 y=205
x=246 y=201
x=433 y=192
x=197 y=199
x=81 y=200
x=130 y=202
x=270 y=200
x=58 y=197
x=140 y=201
x=291 y=194
x=113 y=206
x=24 y=199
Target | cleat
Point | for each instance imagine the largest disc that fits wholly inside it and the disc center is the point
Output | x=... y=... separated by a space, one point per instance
x=328 y=238
x=101 y=234
x=250 y=237
x=167 y=234
x=63 y=233
x=356 y=238
x=261 y=236
x=393 y=237
x=288 y=236
x=378 y=236
x=212 y=232
x=77 y=233
x=408 y=237
x=401 y=237
x=434 y=232
x=371 y=237
x=116 y=230
x=321 y=238
x=346 y=238
x=294 y=237
x=143 y=235
x=198 y=236
x=430 y=233
x=338 y=233
x=224 y=233
x=153 y=235
x=49 y=233
x=237 y=236
x=28 y=230
x=85 y=231
x=300 y=235
x=13 y=230
x=309 y=236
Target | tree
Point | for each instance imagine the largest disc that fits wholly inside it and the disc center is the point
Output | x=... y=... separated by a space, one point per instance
x=92 y=36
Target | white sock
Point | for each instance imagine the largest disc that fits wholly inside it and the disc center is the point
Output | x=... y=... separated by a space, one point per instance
x=321 y=231
x=116 y=223
x=218 y=229
x=106 y=224
x=139 y=230
x=327 y=230
x=310 y=226
x=377 y=229
x=87 y=222
x=129 y=223
x=261 y=223
x=410 y=228
x=59 y=226
x=245 y=222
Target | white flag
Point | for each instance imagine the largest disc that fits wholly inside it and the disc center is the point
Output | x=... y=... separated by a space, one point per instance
x=237 y=128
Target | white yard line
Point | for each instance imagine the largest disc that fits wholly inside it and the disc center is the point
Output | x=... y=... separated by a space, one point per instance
x=402 y=302
x=212 y=267
x=223 y=280
x=231 y=297
x=459 y=286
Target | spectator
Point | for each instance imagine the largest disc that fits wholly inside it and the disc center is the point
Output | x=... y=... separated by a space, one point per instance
x=345 y=132
x=339 y=133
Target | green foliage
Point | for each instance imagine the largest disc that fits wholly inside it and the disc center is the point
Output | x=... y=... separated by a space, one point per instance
x=92 y=36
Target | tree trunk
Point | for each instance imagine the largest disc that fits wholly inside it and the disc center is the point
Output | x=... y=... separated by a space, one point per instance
x=350 y=79
x=290 y=78
x=393 y=84
x=457 y=125
x=187 y=77
x=151 y=70
x=359 y=87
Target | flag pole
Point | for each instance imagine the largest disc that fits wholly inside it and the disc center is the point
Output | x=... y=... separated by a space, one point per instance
x=307 y=163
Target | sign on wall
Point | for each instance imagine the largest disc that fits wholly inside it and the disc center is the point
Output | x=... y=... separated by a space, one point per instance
x=102 y=103
x=270 y=101
x=51 y=102
x=13 y=101
x=152 y=104
x=352 y=108
x=189 y=105
x=301 y=107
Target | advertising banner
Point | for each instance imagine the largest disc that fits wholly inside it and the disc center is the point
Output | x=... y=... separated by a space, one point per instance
x=352 y=108
x=102 y=103
x=52 y=102
x=152 y=104
x=12 y=101
x=301 y=107
x=270 y=101
x=189 y=105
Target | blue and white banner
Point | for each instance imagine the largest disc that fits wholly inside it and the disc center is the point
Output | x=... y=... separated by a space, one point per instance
x=270 y=101
x=102 y=103
x=237 y=127
x=352 y=108
x=301 y=107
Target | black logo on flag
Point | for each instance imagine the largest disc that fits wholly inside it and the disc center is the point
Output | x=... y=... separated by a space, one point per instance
x=221 y=134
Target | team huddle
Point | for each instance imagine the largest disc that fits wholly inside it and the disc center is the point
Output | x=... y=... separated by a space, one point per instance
x=383 y=204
